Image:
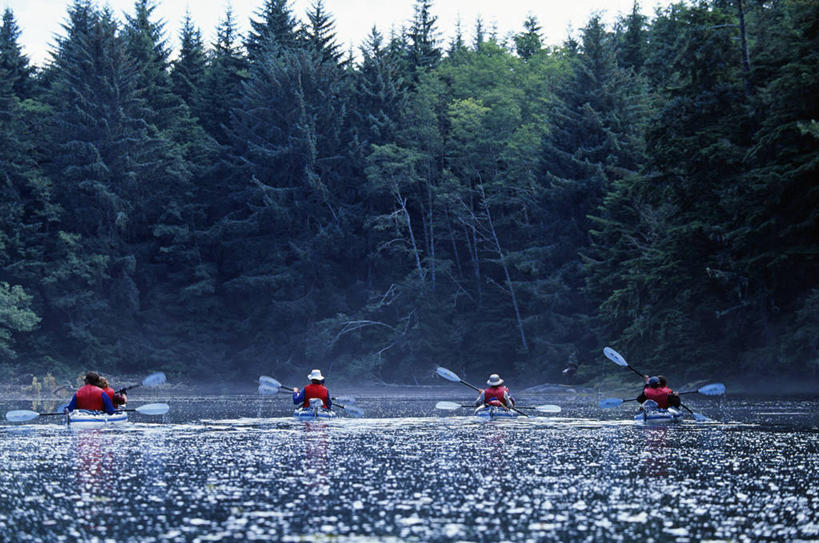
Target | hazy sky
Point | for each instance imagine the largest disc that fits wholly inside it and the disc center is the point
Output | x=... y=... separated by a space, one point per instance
x=40 y=20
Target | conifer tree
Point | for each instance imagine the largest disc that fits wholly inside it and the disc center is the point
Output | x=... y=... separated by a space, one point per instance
x=276 y=29
x=188 y=69
x=12 y=60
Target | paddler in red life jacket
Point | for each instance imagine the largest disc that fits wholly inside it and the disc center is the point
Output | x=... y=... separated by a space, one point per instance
x=116 y=398
x=496 y=394
x=315 y=389
x=657 y=389
x=91 y=397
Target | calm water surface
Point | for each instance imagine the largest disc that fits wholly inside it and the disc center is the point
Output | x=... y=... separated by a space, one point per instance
x=240 y=468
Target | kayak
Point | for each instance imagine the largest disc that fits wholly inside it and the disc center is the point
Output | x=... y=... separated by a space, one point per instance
x=492 y=412
x=94 y=419
x=309 y=413
x=658 y=416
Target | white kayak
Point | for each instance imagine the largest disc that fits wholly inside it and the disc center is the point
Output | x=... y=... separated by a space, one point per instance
x=81 y=418
x=493 y=412
x=658 y=416
x=309 y=413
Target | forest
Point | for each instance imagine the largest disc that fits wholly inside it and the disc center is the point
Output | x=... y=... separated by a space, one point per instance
x=269 y=202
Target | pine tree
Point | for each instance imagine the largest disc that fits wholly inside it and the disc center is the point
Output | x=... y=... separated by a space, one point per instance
x=528 y=43
x=12 y=60
x=188 y=70
x=319 y=35
x=276 y=29
x=424 y=52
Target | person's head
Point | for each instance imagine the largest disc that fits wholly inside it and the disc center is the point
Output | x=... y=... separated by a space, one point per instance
x=494 y=380
x=663 y=380
x=316 y=377
x=92 y=378
x=654 y=382
x=103 y=383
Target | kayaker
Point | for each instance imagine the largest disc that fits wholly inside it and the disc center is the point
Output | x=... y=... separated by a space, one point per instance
x=315 y=389
x=657 y=389
x=91 y=397
x=117 y=398
x=495 y=394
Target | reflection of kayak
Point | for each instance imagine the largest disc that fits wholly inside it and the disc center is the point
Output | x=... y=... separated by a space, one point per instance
x=658 y=416
x=95 y=419
x=490 y=412
x=309 y=413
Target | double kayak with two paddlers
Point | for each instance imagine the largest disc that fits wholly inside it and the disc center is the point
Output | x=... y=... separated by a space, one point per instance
x=82 y=418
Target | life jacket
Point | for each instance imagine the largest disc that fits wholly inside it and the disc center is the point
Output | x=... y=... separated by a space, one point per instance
x=316 y=391
x=116 y=399
x=495 y=395
x=659 y=395
x=90 y=397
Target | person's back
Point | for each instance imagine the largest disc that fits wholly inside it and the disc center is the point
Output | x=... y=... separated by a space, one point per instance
x=314 y=390
x=656 y=390
x=91 y=397
x=116 y=398
x=495 y=394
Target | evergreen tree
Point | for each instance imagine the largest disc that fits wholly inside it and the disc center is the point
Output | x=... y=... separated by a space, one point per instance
x=424 y=52
x=528 y=43
x=227 y=70
x=319 y=36
x=188 y=70
x=12 y=60
x=276 y=29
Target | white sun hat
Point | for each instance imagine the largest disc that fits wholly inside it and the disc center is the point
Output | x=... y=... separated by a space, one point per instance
x=316 y=375
x=494 y=380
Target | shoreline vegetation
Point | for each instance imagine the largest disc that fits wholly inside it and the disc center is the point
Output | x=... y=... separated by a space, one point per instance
x=266 y=202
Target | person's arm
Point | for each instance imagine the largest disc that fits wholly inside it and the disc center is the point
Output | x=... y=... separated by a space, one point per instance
x=508 y=399
x=479 y=401
x=72 y=405
x=107 y=405
x=642 y=397
x=298 y=396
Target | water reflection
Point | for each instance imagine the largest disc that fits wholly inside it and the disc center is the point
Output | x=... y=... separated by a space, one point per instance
x=655 y=453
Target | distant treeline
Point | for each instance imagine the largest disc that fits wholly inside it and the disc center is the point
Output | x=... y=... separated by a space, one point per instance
x=269 y=202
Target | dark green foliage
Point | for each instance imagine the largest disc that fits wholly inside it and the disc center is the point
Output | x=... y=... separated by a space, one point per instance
x=500 y=208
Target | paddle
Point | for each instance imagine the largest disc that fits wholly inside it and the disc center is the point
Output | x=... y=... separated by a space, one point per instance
x=713 y=389
x=618 y=359
x=155 y=379
x=451 y=406
x=25 y=415
x=451 y=376
x=268 y=385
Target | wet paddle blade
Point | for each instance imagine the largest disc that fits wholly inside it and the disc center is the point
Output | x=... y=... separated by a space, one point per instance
x=609 y=402
x=714 y=389
x=346 y=399
x=447 y=406
x=153 y=409
x=448 y=375
x=155 y=379
x=269 y=381
x=267 y=390
x=615 y=357
x=548 y=408
x=699 y=417
x=21 y=415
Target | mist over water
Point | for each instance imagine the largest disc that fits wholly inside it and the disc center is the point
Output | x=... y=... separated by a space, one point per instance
x=240 y=468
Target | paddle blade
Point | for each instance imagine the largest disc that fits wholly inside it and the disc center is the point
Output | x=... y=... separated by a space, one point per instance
x=447 y=406
x=714 y=389
x=650 y=405
x=269 y=381
x=345 y=399
x=353 y=411
x=615 y=357
x=548 y=408
x=448 y=375
x=699 y=417
x=153 y=409
x=21 y=415
x=155 y=379
x=267 y=390
x=609 y=402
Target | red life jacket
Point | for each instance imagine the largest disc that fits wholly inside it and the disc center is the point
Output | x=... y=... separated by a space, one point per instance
x=316 y=391
x=90 y=397
x=495 y=395
x=116 y=399
x=659 y=395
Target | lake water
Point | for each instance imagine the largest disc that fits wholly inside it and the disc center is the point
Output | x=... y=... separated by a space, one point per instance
x=235 y=468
